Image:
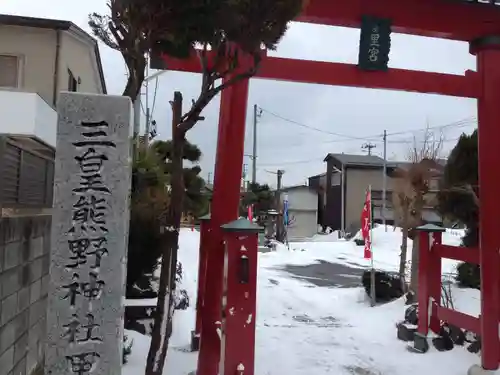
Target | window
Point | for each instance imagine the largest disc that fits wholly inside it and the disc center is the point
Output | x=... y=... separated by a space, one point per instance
x=9 y=71
x=72 y=82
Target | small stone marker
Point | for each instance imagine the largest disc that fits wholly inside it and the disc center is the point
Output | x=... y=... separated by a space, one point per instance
x=89 y=235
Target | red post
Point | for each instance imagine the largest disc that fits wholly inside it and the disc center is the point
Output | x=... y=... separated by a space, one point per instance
x=429 y=283
x=423 y=282
x=225 y=203
x=241 y=237
x=435 y=278
x=202 y=270
x=487 y=50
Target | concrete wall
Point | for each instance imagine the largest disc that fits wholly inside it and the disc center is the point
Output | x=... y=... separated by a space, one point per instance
x=24 y=267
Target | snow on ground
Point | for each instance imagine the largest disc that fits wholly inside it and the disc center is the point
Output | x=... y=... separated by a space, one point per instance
x=303 y=329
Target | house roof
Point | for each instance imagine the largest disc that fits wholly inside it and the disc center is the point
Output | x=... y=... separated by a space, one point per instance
x=46 y=23
x=371 y=160
x=318 y=175
x=356 y=160
x=295 y=187
x=407 y=164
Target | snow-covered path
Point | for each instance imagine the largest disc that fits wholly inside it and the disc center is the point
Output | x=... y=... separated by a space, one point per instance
x=303 y=329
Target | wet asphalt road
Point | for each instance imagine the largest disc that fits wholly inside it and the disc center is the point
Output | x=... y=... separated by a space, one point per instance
x=325 y=274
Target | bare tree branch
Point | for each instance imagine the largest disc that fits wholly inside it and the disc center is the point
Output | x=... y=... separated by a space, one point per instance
x=209 y=90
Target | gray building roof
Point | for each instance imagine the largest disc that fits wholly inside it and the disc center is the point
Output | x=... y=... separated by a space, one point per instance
x=295 y=187
x=357 y=160
x=371 y=161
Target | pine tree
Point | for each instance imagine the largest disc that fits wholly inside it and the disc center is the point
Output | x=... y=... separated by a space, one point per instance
x=458 y=199
x=461 y=171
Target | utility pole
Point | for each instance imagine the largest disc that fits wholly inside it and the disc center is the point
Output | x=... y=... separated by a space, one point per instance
x=279 y=225
x=384 y=183
x=368 y=146
x=209 y=178
x=244 y=175
x=257 y=113
x=137 y=111
x=148 y=123
x=279 y=175
x=137 y=124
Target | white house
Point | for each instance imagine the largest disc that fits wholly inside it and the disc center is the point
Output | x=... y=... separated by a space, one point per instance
x=38 y=59
x=302 y=211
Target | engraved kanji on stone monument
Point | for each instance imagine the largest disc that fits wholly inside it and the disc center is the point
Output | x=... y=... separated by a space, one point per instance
x=89 y=235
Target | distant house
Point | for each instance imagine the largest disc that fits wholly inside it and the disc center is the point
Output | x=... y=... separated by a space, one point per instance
x=38 y=59
x=341 y=190
x=302 y=211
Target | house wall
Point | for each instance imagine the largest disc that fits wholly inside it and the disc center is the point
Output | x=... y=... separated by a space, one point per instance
x=37 y=49
x=329 y=199
x=78 y=56
x=303 y=209
x=304 y=224
x=24 y=269
x=357 y=181
x=301 y=199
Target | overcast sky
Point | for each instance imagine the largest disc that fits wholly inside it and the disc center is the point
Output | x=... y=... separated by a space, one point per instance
x=351 y=112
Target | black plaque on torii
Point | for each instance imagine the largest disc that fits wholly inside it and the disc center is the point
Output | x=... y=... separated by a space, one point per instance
x=374 y=43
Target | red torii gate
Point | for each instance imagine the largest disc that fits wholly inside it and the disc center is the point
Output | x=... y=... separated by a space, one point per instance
x=478 y=24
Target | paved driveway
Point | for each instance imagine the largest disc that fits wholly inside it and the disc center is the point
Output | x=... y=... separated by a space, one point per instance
x=327 y=274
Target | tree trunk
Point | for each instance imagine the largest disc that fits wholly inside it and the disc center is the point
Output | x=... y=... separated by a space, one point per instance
x=165 y=307
x=415 y=253
x=402 y=257
x=136 y=74
x=415 y=259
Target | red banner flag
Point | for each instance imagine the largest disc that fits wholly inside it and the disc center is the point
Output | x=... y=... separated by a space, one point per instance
x=366 y=215
x=250 y=212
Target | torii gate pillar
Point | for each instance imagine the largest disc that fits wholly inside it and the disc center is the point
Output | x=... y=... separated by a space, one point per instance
x=225 y=207
x=487 y=50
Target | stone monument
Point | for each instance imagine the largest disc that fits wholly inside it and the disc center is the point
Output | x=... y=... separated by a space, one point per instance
x=89 y=235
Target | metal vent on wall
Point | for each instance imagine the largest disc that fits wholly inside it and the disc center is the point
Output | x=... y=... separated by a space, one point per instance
x=10 y=175
x=26 y=178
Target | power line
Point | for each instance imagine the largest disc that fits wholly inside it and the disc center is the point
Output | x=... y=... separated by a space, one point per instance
x=456 y=124
x=320 y=159
x=311 y=127
x=154 y=97
x=397 y=141
x=459 y=123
